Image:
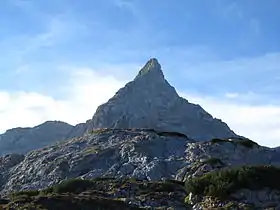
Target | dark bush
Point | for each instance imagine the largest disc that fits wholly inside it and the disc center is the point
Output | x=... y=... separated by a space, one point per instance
x=215 y=140
x=237 y=141
x=71 y=186
x=246 y=143
x=28 y=193
x=226 y=181
x=171 y=134
x=213 y=161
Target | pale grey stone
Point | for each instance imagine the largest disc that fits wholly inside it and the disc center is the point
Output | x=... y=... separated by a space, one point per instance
x=149 y=101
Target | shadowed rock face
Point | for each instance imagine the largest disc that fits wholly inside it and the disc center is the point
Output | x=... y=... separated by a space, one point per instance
x=22 y=140
x=149 y=101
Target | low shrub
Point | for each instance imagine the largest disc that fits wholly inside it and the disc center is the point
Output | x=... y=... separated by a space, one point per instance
x=223 y=182
x=213 y=161
x=171 y=134
x=70 y=186
x=238 y=141
x=27 y=193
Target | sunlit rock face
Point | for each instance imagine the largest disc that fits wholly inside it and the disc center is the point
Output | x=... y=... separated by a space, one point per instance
x=149 y=101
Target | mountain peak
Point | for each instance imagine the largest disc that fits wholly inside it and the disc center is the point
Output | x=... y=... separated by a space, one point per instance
x=151 y=68
x=150 y=102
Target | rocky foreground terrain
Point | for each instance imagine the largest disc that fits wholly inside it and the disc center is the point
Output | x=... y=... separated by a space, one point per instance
x=129 y=159
x=146 y=148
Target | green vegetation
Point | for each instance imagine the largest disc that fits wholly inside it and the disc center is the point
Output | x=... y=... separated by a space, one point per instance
x=213 y=161
x=69 y=202
x=165 y=186
x=171 y=134
x=100 y=130
x=216 y=141
x=188 y=200
x=232 y=205
x=100 y=193
x=91 y=150
x=176 y=182
x=28 y=193
x=237 y=141
x=71 y=186
x=160 y=133
x=226 y=181
x=98 y=179
x=246 y=143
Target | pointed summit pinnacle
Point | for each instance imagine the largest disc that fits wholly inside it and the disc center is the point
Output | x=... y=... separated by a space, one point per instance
x=151 y=68
x=150 y=102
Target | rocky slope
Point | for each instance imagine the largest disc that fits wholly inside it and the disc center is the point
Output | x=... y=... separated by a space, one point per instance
x=149 y=101
x=142 y=154
x=22 y=140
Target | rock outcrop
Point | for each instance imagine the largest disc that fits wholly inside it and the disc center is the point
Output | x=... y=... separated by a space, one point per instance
x=22 y=140
x=149 y=101
x=142 y=154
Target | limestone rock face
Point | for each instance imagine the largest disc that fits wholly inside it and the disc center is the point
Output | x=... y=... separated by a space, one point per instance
x=149 y=101
x=143 y=154
x=22 y=140
x=140 y=153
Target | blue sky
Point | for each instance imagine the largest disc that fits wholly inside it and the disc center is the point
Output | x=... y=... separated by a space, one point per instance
x=217 y=53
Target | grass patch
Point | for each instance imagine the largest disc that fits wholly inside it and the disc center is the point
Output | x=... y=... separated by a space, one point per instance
x=213 y=161
x=100 y=131
x=27 y=193
x=224 y=182
x=171 y=134
x=237 y=141
x=105 y=178
x=217 y=141
x=70 y=186
x=91 y=150
x=166 y=186
x=92 y=194
x=246 y=143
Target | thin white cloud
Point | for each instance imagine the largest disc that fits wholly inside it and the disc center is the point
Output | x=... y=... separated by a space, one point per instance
x=50 y=33
x=255 y=26
x=59 y=29
x=230 y=11
x=257 y=122
x=231 y=95
x=22 y=69
x=85 y=91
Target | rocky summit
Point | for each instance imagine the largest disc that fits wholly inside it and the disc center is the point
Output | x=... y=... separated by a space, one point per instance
x=149 y=101
x=146 y=148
